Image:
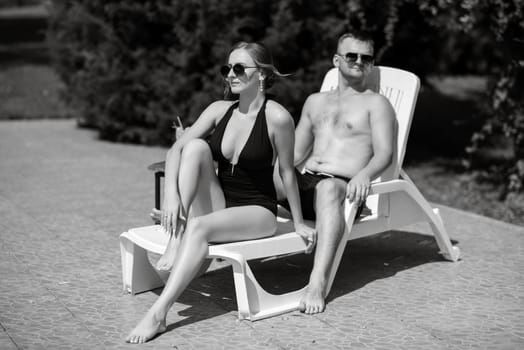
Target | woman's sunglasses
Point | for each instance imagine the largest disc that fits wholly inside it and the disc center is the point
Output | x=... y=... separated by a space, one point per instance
x=352 y=57
x=238 y=69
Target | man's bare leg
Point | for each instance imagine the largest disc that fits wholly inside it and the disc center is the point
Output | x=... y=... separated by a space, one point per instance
x=199 y=189
x=330 y=194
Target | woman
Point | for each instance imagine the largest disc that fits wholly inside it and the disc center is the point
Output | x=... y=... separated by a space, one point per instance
x=246 y=138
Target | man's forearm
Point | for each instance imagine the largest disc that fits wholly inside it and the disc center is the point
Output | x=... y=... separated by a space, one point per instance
x=376 y=166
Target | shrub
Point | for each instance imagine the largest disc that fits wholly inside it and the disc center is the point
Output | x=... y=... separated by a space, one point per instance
x=504 y=117
x=131 y=67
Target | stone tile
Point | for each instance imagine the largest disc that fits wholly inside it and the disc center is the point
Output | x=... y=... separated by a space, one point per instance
x=5 y=340
x=65 y=198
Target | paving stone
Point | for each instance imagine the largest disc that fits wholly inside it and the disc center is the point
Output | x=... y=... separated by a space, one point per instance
x=65 y=197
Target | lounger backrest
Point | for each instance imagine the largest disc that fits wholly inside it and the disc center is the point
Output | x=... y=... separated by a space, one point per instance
x=401 y=88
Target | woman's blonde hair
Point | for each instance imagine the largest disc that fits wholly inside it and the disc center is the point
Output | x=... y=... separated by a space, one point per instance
x=262 y=58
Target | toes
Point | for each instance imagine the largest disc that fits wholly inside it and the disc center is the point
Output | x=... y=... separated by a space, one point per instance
x=302 y=306
x=308 y=310
x=312 y=309
x=163 y=267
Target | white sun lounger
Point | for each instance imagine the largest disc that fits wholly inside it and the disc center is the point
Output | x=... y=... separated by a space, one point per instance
x=394 y=202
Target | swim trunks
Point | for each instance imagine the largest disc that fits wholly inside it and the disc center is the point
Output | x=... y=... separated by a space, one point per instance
x=307 y=183
x=250 y=181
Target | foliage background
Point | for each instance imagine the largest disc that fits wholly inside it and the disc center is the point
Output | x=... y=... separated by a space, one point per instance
x=131 y=67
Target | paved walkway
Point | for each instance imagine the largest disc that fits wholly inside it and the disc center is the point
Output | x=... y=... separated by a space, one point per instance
x=65 y=197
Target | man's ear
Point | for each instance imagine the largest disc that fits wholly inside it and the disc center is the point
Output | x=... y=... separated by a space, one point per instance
x=336 y=60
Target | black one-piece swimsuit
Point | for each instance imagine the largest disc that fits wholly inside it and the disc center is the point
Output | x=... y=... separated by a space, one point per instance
x=250 y=181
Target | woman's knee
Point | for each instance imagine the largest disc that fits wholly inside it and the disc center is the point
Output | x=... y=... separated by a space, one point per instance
x=196 y=149
x=198 y=229
x=330 y=191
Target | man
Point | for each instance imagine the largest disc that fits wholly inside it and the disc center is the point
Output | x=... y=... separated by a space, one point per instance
x=345 y=138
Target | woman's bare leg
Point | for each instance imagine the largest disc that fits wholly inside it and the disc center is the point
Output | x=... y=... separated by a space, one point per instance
x=199 y=190
x=231 y=224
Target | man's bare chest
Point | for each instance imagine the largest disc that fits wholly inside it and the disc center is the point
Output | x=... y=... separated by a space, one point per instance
x=341 y=118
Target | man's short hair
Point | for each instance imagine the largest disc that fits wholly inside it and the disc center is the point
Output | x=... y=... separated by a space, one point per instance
x=357 y=35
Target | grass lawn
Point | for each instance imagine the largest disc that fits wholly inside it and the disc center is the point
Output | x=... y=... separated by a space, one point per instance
x=441 y=185
x=445 y=117
x=30 y=91
x=28 y=87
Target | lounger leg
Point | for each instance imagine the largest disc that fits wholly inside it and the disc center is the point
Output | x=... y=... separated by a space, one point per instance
x=254 y=303
x=430 y=215
x=158 y=176
x=137 y=273
x=448 y=251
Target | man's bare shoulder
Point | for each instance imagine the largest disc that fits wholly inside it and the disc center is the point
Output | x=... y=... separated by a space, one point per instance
x=379 y=106
x=373 y=97
x=320 y=96
x=379 y=101
x=318 y=99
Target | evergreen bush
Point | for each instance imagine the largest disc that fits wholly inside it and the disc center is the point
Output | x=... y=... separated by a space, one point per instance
x=131 y=67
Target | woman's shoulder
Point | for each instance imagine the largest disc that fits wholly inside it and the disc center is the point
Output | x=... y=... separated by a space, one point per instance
x=277 y=114
x=220 y=105
x=216 y=110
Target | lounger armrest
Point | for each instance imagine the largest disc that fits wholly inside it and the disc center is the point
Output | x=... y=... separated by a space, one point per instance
x=157 y=167
x=387 y=186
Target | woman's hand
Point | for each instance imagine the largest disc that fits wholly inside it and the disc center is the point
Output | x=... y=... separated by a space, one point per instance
x=308 y=234
x=172 y=216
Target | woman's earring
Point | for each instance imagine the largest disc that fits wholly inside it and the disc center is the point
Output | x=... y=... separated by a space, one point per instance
x=261 y=83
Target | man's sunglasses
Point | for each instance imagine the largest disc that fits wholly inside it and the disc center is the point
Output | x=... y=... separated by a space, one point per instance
x=238 y=69
x=352 y=57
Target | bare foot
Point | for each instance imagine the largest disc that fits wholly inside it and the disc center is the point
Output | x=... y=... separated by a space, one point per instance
x=166 y=261
x=147 y=329
x=156 y=215
x=313 y=301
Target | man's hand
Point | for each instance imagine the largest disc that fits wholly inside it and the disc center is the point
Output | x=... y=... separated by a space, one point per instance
x=308 y=234
x=358 y=188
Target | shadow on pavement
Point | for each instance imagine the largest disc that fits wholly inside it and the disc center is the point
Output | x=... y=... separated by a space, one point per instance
x=365 y=260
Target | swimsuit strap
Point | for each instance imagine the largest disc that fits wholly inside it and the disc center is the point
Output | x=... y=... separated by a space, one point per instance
x=215 y=140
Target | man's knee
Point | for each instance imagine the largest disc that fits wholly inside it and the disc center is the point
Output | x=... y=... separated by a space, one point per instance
x=330 y=192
